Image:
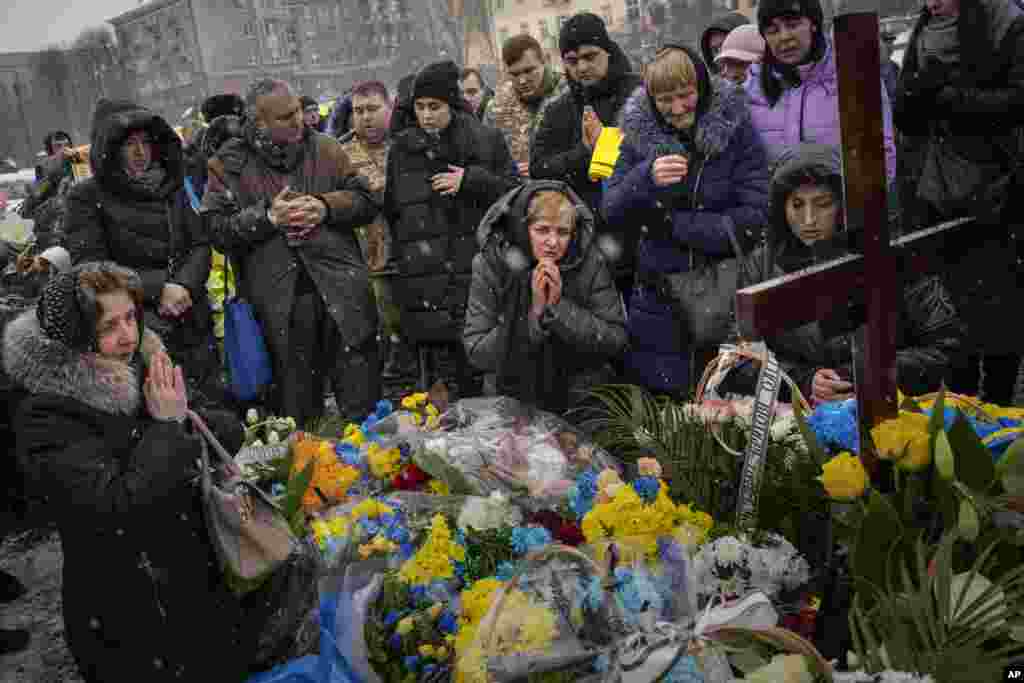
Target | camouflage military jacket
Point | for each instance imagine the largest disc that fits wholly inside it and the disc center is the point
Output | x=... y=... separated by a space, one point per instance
x=516 y=119
x=371 y=163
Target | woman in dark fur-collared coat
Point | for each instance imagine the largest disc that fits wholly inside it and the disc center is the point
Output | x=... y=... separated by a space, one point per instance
x=144 y=598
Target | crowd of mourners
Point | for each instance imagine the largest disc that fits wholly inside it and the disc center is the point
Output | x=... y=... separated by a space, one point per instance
x=444 y=213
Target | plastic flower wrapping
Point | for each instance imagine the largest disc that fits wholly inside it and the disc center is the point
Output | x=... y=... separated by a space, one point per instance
x=733 y=566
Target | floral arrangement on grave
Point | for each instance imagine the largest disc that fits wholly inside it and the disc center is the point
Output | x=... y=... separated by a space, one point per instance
x=267 y=429
x=688 y=443
x=922 y=547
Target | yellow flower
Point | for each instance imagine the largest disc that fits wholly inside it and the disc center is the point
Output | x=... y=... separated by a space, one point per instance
x=441 y=653
x=371 y=508
x=427 y=650
x=844 y=477
x=383 y=463
x=365 y=551
x=436 y=557
x=904 y=439
x=439 y=487
x=414 y=401
x=354 y=435
x=404 y=626
x=432 y=411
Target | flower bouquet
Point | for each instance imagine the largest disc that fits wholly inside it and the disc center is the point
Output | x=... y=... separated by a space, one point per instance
x=942 y=508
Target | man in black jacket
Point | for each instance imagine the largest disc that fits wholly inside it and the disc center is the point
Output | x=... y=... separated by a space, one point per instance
x=601 y=81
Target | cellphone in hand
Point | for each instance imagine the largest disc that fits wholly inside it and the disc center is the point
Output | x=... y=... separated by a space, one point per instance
x=668 y=149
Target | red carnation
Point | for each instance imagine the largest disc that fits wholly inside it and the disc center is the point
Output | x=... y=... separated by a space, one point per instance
x=410 y=478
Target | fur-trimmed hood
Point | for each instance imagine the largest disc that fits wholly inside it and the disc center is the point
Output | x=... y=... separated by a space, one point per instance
x=715 y=128
x=42 y=365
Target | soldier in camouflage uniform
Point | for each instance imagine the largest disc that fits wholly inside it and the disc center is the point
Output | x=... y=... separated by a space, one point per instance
x=517 y=106
x=367 y=150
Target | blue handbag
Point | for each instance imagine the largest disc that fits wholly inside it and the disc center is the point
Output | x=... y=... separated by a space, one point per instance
x=249 y=368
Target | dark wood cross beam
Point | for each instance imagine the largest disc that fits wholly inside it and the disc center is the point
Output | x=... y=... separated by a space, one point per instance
x=869 y=279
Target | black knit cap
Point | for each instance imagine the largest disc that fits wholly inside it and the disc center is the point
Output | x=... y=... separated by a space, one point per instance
x=68 y=311
x=584 y=28
x=767 y=10
x=439 y=80
x=222 y=105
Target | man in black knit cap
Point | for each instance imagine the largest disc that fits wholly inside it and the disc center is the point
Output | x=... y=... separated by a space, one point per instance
x=602 y=80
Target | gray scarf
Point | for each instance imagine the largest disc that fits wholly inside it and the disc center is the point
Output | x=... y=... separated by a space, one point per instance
x=939 y=40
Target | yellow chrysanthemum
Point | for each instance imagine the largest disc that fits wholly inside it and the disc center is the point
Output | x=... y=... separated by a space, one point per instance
x=354 y=435
x=371 y=508
x=384 y=464
x=436 y=557
x=331 y=479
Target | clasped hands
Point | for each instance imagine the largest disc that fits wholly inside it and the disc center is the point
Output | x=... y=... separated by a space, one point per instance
x=448 y=183
x=298 y=214
x=828 y=386
x=546 y=285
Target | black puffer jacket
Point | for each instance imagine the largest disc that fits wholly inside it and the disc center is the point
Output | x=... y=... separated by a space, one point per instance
x=434 y=236
x=157 y=234
x=722 y=24
x=557 y=151
x=929 y=331
x=978 y=111
x=580 y=334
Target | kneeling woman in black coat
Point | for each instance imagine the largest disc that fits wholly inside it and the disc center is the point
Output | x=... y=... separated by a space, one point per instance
x=544 y=317
x=144 y=598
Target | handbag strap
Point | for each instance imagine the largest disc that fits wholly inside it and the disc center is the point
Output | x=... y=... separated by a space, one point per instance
x=208 y=437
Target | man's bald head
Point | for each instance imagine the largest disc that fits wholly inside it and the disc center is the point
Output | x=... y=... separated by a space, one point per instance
x=271 y=103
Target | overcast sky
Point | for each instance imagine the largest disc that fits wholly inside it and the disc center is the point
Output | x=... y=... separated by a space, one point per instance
x=27 y=25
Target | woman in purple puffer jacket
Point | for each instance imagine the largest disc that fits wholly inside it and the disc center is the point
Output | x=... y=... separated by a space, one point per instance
x=794 y=91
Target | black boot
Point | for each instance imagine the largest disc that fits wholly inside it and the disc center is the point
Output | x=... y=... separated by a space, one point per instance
x=13 y=640
x=10 y=587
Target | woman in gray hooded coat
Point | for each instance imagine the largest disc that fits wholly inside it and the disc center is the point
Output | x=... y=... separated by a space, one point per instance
x=543 y=317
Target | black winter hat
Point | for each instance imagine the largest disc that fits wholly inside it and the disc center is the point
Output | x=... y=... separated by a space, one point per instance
x=440 y=81
x=768 y=10
x=308 y=102
x=222 y=105
x=53 y=137
x=68 y=310
x=584 y=28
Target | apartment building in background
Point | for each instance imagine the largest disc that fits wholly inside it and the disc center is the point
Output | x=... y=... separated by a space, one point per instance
x=638 y=25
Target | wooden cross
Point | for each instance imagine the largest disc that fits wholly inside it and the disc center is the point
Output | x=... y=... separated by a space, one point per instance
x=868 y=279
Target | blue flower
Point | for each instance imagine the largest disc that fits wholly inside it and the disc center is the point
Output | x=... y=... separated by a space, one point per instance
x=529 y=538
x=349 y=454
x=448 y=623
x=506 y=570
x=408 y=550
x=647 y=488
x=383 y=409
x=392 y=617
x=582 y=494
x=370 y=527
x=637 y=592
x=399 y=534
x=395 y=641
x=602 y=663
x=835 y=426
x=404 y=450
x=418 y=592
x=411 y=662
x=368 y=425
x=460 y=570
x=686 y=670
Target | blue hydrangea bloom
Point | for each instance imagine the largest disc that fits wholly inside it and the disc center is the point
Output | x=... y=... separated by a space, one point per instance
x=407 y=550
x=647 y=488
x=506 y=570
x=383 y=409
x=448 y=623
x=411 y=662
x=835 y=426
x=637 y=592
x=686 y=670
x=528 y=538
x=349 y=454
x=583 y=493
